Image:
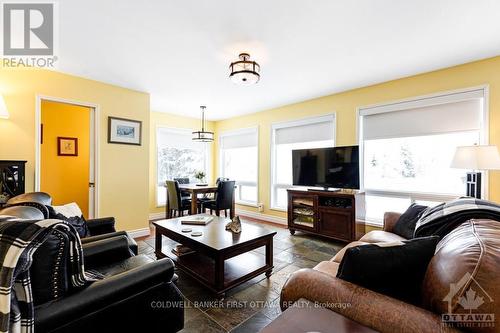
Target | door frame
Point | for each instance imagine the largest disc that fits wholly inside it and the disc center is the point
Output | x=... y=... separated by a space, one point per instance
x=95 y=112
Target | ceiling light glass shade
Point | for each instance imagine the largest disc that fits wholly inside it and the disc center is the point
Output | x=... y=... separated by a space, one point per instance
x=476 y=158
x=244 y=71
x=3 y=109
x=203 y=136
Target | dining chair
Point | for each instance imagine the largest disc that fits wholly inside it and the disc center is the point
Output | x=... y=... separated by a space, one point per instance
x=223 y=198
x=221 y=179
x=209 y=196
x=183 y=180
x=175 y=202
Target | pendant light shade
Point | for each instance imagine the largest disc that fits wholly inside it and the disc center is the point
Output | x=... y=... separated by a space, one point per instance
x=203 y=136
x=244 y=71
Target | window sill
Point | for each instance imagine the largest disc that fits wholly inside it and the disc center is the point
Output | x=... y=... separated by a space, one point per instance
x=247 y=203
x=279 y=209
x=373 y=223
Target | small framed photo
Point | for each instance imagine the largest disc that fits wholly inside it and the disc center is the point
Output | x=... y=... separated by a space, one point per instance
x=67 y=146
x=124 y=131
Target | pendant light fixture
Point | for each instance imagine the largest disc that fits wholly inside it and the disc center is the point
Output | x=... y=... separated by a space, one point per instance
x=203 y=136
x=244 y=71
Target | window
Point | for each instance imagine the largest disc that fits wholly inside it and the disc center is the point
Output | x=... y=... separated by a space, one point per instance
x=239 y=162
x=407 y=150
x=308 y=133
x=177 y=157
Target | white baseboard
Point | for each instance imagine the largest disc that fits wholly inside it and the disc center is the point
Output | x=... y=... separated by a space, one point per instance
x=139 y=232
x=264 y=217
x=156 y=216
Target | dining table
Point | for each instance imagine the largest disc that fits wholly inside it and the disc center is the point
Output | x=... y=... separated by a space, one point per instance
x=195 y=189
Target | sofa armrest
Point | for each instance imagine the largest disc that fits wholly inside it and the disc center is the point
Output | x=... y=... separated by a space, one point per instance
x=41 y=207
x=103 y=293
x=106 y=250
x=367 y=307
x=101 y=225
x=390 y=219
x=132 y=244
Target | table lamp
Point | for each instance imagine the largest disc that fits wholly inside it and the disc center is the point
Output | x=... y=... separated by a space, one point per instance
x=475 y=158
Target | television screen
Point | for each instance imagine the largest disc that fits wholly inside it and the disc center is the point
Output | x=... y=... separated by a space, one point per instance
x=336 y=167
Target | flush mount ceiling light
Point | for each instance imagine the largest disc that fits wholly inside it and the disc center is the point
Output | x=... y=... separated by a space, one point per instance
x=244 y=71
x=203 y=136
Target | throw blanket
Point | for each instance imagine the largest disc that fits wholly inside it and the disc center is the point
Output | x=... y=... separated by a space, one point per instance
x=19 y=239
x=443 y=218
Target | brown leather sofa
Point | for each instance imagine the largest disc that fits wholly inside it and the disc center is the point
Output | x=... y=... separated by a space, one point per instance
x=468 y=258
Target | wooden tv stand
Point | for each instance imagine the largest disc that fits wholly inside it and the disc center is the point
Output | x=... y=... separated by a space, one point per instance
x=337 y=215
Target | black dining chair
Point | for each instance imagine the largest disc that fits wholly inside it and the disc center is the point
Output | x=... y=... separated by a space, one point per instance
x=183 y=180
x=209 y=196
x=175 y=202
x=223 y=198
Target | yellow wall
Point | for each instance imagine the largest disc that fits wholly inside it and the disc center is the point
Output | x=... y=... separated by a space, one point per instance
x=160 y=119
x=127 y=191
x=66 y=178
x=345 y=104
x=123 y=169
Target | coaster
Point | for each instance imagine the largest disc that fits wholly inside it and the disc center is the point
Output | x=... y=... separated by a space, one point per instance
x=187 y=230
x=196 y=234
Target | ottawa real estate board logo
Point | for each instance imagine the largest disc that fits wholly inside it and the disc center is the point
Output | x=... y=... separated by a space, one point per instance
x=29 y=34
x=467 y=302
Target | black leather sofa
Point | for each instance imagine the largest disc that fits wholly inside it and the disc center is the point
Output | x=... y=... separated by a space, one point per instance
x=99 y=228
x=136 y=293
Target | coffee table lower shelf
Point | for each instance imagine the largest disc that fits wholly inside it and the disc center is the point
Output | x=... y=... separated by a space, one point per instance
x=202 y=268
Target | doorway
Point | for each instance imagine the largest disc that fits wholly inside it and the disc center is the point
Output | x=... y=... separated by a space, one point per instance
x=66 y=153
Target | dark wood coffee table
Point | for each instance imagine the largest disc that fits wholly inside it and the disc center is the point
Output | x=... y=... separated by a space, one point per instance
x=222 y=260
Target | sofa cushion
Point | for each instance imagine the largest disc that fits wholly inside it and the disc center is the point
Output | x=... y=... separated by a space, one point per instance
x=379 y=236
x=328 y=267
x=462 y=277
x=395 y=269
x=405 y=226
x=72 y=214
x=338 y=257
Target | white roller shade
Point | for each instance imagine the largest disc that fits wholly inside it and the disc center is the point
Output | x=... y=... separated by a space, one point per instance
x=241 y=139
x=442 y=118
x=314 y=131
x=181 y=139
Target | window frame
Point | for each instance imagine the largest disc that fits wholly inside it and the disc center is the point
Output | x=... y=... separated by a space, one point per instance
x=187 y=131
x=252 y=129
x=273 y=185
x=415 y=102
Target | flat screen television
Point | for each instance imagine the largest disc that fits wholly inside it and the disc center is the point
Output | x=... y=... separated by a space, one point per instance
x=336 y=167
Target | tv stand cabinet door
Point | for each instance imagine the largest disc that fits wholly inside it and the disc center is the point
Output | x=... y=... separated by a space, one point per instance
x=336 y=223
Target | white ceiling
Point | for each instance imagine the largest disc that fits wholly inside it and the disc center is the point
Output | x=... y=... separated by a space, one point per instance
x=179 y=51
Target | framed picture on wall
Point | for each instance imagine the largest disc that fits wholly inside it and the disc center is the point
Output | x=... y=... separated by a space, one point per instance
x=67 y=146
x=124 y=131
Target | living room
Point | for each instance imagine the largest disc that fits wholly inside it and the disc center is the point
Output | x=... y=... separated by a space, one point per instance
x=306 y=129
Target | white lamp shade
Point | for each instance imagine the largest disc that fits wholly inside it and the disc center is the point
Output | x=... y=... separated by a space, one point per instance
x=476 y=158
x=3 y=109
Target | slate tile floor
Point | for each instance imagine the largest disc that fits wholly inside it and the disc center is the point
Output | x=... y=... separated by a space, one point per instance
x=253 y=305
